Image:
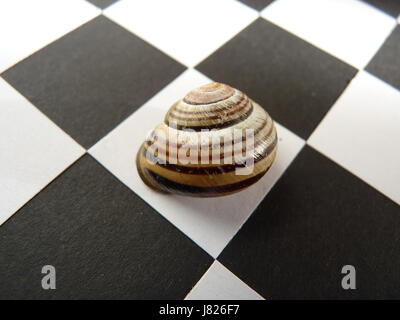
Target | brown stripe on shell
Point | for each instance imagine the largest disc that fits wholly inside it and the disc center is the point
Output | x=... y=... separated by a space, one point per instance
x=156 y=138
x=212 y=126
x=227 y=105
x=201 y=158
x=218 y=114
x=217 y=169
x=183 y=189
x=208 y=180
x=209 y=93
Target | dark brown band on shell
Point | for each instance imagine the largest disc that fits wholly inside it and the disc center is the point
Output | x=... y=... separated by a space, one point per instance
x=220 y=125
x=215 y=115
x=227 y=106
x=209 y=93
x=214 y=170
x=172 y=186
x=149 y=154
x=153 y=137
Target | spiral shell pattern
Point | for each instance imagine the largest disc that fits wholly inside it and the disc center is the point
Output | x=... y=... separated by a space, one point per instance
x=206 y=143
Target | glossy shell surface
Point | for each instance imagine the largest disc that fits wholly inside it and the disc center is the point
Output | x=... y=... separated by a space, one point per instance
x=213 y=142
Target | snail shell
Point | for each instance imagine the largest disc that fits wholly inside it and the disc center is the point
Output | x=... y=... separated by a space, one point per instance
x=206 y=143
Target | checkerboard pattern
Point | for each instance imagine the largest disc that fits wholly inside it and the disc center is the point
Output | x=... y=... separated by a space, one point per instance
x=83 y=82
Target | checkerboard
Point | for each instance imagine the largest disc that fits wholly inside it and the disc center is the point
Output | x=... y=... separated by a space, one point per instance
x=83 y=82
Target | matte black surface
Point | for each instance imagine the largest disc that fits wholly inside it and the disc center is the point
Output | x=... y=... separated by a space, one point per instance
x=257 y=4
x=93 y=78
x=103 y=240
x=386 y=63
x=294 y=81
x=316 y=219
x=391 y=7
x=102 y=3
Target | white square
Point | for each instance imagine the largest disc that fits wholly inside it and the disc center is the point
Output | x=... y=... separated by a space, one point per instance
x=362 y=133
x=218 y=283
x=348 y=29
x=27 y=26
x=211 y=222
x=187 y=30
x=33 y=151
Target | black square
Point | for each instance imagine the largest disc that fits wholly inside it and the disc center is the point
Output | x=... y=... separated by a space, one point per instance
x=257 y=4
x=386 y=63
x=294 y=81
x=103 y=240
x=317 y=219
x=102 y=4
x=93 y=78
x=391 y=7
